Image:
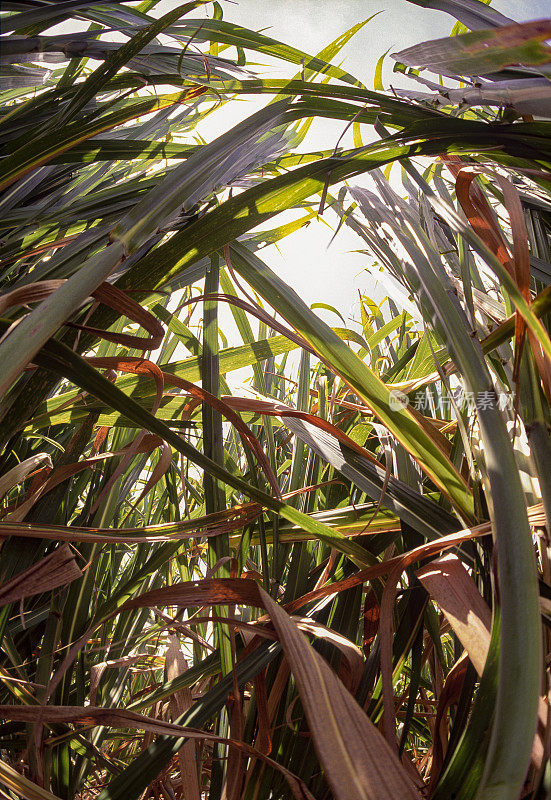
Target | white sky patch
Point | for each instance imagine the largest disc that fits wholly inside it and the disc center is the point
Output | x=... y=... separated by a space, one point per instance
x=317 y=270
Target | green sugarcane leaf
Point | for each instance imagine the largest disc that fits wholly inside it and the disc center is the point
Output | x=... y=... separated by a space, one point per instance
x=64 y=361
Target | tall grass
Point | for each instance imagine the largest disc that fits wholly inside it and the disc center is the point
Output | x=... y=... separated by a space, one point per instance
x=334 y=582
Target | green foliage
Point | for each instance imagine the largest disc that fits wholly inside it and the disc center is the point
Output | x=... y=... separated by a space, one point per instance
x=243 y=592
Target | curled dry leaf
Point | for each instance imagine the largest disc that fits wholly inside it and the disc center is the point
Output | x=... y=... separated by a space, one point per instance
x=448 y=582
x=450 y=585
x=18 y=473
x=358 y=762
x=226 y=521
x=57 y=569
x=107 y=294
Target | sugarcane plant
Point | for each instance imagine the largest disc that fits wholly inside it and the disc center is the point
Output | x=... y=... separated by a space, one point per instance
x=330 y=580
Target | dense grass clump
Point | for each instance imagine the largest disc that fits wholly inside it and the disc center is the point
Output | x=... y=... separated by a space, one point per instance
x=334 y=581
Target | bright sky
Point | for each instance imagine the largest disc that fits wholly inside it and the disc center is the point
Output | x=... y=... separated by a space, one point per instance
x=319 y=272
x=334 y=274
